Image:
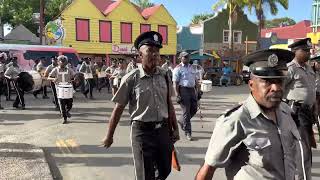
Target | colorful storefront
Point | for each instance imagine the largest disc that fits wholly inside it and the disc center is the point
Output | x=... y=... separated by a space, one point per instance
x=107 y=29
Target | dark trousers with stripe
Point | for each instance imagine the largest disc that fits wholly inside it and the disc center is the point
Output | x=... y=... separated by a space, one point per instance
x=152 y=150
x=20 y=95
x=189 y=108
x=65 y=106
x=54 y=91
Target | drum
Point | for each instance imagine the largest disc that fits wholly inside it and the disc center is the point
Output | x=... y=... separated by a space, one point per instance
x=64 y=91
x=37 y=79
x=88 y=75
x=26 y=81
x=206 y=86
x=102 y=74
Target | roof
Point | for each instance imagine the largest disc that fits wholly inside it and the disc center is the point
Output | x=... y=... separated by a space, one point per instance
x=107 y=6
x=187 y=40
x=146 y=13
x=21 y=33
x=296 y=31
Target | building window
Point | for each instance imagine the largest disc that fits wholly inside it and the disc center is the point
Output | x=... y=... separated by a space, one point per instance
x=126 y=32
x=82 y=29
x=237 y=36
x=145 y=28
x=225 y=36
x=163 y=30
x=105 y=29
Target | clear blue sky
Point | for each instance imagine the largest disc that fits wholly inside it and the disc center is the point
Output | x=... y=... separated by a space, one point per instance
x=183 y=10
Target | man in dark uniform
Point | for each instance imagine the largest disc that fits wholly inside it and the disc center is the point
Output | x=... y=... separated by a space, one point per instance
x=185 y=78
x=147 y=90
x=300 y=88
x=12 y=74
x=257 y=140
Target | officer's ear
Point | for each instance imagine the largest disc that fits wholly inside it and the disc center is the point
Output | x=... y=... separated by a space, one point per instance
x=251 y=84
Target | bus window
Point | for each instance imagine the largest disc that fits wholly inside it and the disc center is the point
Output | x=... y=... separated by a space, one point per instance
x=33 y=55
x=73 y=58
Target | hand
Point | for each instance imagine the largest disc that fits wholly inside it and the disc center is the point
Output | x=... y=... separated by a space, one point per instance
x=178 y=99
x=200 y=93
x=107 y=142
x=175 y=135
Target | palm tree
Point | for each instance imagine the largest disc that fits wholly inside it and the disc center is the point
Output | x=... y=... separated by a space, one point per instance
x=232 y=6
x=260 y=7
x=196 y=19
x=143 y=3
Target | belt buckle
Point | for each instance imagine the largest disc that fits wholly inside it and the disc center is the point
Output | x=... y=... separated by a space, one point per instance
x=158 y=125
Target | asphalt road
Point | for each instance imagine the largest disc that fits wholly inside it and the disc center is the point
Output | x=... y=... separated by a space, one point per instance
x=73 y=150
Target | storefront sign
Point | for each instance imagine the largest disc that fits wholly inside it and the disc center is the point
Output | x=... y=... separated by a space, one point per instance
x=123 y=49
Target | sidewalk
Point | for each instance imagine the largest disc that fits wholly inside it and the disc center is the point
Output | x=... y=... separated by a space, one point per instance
x=23 y=161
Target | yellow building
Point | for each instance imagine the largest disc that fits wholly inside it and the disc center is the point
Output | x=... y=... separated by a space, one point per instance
x=108 y=28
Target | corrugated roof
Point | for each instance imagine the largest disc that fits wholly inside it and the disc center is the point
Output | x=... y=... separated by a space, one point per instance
x=21 y=33
x=102 y=5
x=111 y=7
x=296 y=31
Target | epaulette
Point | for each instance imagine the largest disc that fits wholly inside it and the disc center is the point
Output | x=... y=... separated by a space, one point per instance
x=230 y=111
x=290 y=64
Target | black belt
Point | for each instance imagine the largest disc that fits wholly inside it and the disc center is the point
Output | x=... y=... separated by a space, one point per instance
x=187 y=87
x=150 y=125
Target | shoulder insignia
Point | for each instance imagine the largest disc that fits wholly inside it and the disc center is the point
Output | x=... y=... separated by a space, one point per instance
x=233 y=109
x=290 y=64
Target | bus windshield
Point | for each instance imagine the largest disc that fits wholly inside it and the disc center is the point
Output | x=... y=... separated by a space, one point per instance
x=34 y=55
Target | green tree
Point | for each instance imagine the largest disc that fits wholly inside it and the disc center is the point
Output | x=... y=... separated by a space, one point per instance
x=143 y=3
x=278 y=22
x=54 y=7
x=196 y=19
x=260 y=7
x=232 y=7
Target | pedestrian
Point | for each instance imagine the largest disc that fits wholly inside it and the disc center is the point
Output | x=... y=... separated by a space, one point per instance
x=12 y=74
x=151 y=143
x=54 y=64
x=132 y=65
x=2 y=78
x=200 y=70
x=186 y=88
x=63 y=75
x=316 y=69
x=117 y=75
x=257 y=139
x=168 y=67
x=102 y=76
x=87 y=69
x=40 y=68
x=226 y=70
x=7 y=80
x=109 y=72
x=301 y=95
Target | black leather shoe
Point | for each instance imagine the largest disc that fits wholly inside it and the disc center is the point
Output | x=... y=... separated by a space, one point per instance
x=68 y=115
x=45 y=97
x=1 y=107
x=15 y=105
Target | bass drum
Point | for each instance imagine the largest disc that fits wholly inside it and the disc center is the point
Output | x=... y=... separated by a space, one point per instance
x=25 y=81
x=37 y=79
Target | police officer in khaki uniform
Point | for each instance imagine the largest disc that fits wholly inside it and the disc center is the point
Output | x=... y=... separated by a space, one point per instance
x=301 y=95
x=257 y=140
x=146 y=91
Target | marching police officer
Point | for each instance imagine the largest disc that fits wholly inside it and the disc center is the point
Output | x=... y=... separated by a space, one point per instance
x=185 y=78
x=301 y=95
x=147 y=91
x=12 y=74
x=258 y=139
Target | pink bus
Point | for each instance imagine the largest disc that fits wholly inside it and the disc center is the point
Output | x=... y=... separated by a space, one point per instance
x=26 y=54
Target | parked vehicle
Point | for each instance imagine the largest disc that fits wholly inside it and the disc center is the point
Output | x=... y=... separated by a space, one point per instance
x=26 y=54
x=214 y=74
x=246 y=76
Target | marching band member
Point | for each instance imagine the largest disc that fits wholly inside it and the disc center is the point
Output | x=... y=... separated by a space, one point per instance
x=88 y=75
x=2 y=78
x=63 y=75
x=12 y=74
x=41 y=69
x=117 y=75
x=54 y=64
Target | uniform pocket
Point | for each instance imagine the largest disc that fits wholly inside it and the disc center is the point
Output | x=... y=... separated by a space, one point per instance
x=259 y=149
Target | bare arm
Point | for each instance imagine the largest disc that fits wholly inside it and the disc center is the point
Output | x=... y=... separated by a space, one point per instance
x=206 y=172
x=176 y=88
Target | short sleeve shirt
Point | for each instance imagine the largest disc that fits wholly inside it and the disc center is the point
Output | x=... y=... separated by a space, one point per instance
x=62 y=75
x=145 y=94
x=185 y=75
x=249 y=145
x=300 y=84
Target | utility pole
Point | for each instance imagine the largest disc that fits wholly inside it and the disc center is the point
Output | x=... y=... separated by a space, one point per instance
x=41 y=20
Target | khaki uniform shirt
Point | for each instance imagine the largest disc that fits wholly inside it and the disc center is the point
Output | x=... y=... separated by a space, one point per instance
x=318 y=81
x=12 y=72
x=49 y=69
x=62 y=75
x=250 y=146
x=40 y=67
x=146 y=95
x=301 y=83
